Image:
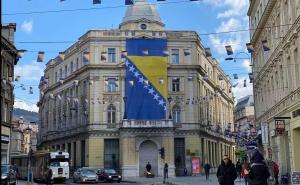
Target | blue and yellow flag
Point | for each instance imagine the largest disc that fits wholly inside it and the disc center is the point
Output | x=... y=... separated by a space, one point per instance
x=250 y=47
x=96 y=1
x=146 y=95
x=207 y=52
x=124 y=54
x=229 y=50
x=61 y=56
x=129 y=2
x=20 y=53
x=86 y=56
x=41 y=56
x=103 y=56
x=265 y=45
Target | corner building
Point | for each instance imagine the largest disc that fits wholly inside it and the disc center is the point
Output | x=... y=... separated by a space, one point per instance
x=118 y=112
x=277 y=78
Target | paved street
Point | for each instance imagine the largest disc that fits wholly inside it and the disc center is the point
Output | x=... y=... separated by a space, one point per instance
x=158 y=181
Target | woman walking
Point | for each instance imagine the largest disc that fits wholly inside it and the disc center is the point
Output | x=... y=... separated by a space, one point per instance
x=245 y=172
x=226 y=172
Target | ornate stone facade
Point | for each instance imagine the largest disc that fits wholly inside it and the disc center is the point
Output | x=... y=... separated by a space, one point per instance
x=84 y=114
x=277 y=76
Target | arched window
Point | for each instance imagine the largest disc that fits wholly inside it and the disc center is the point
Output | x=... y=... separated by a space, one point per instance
x=111 y=114
x=176 y=114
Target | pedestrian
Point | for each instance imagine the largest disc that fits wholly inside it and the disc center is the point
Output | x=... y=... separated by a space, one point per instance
x=148 y=167
x=259 y=172
x=245 y=172
x=185 y=171
x=276 y=172
x=206 y=169
x=226 y=172
x=166 y=170
x=49 y=176
x=238 y=167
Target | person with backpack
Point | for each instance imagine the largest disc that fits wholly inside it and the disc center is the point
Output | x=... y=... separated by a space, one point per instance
x=259 y=172
x=226 y=172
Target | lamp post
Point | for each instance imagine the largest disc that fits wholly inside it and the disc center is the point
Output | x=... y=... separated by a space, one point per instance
x=125 y=113
x=170 y=100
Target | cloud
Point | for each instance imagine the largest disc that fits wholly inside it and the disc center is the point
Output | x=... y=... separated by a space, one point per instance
x=241 y=91
x=27 y=26
x=29 y=71
x=26 y=106
x=246 y=65
x=234 y=8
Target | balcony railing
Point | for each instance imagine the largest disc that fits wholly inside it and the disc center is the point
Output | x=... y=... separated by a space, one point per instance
x=147 y=124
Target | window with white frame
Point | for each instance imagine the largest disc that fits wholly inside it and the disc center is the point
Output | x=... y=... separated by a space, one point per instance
x=111 y=85
x=111 y=55
x=175 y=56
x=175 y=84
x=176 y=114
x=111 y=114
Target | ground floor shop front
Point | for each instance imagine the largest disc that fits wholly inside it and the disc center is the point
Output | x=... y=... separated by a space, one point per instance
x=129 y=150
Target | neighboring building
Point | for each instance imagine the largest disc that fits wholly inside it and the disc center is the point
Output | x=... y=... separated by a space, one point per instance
x=244 y=120
x=8 y=60
x=173 y=99
x=277 y=78
x=23 y=137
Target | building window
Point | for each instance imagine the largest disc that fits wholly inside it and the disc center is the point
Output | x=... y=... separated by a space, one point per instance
x=175 y=84
x=111 y=114
x=175 y=56
x=77 y=63
x=56 y=77
x=66 y=71
x=111 y=153
x=71 y=66
x=111 y=55
x=60 y=73
x=176 y=114
x=111 y=85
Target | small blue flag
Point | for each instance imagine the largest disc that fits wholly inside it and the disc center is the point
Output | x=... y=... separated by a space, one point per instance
x=41 y=56
x=235 y=76
x=129 y=2
x=265 y=45
x=229 y=50
x=96 y=1
x=207 y=52
x=250 y=48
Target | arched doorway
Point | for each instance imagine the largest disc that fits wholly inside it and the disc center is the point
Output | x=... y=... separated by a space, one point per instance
x=148 y=152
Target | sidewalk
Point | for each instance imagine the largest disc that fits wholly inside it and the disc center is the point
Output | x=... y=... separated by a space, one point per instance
x=23 y=182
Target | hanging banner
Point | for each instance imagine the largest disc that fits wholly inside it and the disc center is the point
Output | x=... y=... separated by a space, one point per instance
x=264 y=133
x=196 y=169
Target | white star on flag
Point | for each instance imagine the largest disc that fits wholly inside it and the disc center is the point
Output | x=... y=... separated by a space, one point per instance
x=155 y=97
x=136 y=74
x=127 y=63
x=151 y=91
x=165 y=108
x=161 y=102
x=146 y=86
x=141 y=80
x=131 y=68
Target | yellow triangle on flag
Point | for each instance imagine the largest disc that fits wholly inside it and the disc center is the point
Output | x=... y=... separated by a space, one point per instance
x=154 y=68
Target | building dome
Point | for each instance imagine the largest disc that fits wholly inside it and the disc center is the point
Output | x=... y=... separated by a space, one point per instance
x=141 y=10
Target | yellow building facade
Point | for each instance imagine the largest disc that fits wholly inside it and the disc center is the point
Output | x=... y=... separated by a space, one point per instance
x=86 y=107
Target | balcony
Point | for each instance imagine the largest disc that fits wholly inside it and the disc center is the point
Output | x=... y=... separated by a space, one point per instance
x=147 y=124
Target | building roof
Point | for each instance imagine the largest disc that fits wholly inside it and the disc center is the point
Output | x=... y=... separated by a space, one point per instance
x=244 y=102
x=141 y=10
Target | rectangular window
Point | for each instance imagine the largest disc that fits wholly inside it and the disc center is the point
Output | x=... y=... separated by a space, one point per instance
x=175 y=84
x=66 y=71
x=77 y=63
x=175 y=56
x=111 y=153
x=60 y=73
x=82 y=153
x=111 y=85
x=56 y=77
x=71 y=66
x=111 y=55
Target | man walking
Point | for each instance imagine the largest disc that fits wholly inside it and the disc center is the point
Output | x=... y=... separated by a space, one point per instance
x=166 y=171
x=206 y=169
x=258 y=173
x=49 y=177
x=238 y=167
x=148 y=167
x=226 y=172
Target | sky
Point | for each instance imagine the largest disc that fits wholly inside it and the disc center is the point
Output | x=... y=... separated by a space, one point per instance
x=205 y=16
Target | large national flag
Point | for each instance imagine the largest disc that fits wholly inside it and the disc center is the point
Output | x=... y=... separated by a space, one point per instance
x=146 y=79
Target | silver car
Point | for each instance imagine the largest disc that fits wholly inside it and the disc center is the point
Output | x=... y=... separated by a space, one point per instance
x=83 y=175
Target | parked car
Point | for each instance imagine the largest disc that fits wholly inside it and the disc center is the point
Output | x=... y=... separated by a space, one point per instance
x=83 y=175
x=108 y=175
x=8 y=175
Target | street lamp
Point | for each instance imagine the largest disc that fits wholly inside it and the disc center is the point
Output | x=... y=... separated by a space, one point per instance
x=170 y=100
x=125 y=113
x=235 y=57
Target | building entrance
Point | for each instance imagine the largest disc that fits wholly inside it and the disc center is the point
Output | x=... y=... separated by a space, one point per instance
x=148 y=152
